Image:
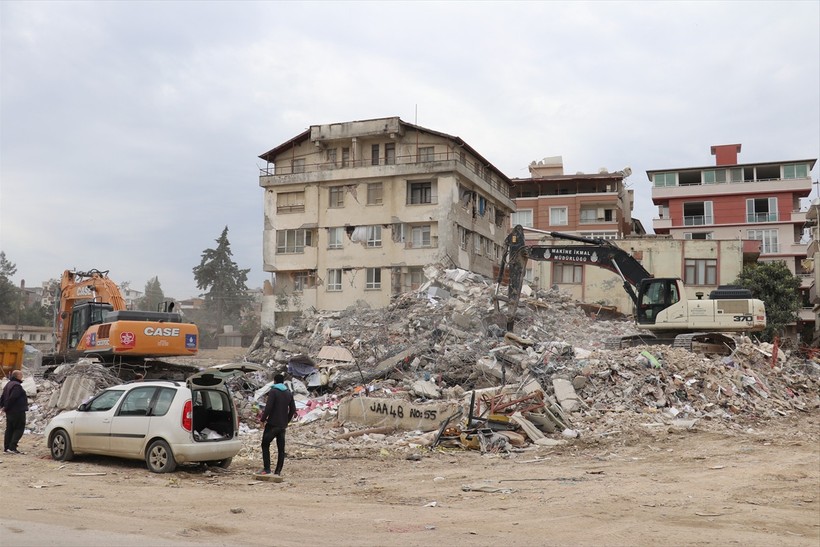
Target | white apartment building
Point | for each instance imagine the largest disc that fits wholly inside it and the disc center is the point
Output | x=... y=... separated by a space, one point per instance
x=355 y=210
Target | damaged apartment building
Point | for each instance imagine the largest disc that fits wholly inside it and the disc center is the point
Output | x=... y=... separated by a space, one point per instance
x=355 y=210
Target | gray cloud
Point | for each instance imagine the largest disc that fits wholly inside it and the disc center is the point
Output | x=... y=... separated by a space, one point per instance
x=130 y=131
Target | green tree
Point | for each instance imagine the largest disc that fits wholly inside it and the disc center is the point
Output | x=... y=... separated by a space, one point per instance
x=9 y=293
x=153 y=298
x=779 y=289
x=226 y=295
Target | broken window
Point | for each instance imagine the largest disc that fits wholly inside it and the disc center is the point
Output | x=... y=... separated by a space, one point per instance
x=303 y=280
x=297 y=166
x=390 y=153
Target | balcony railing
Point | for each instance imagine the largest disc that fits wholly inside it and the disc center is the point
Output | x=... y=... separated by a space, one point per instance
x=697 y=220
x=761 y=217
x=480 y=170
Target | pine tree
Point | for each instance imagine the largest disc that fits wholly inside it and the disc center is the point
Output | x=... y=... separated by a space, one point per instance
x=226 y=293
x=153 y=297
x=9 y=294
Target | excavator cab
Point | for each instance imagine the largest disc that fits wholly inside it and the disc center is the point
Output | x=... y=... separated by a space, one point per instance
x=654 y=296
x=83 y=316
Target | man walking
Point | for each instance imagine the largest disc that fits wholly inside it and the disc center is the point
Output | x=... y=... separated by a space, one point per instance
x=279 y=411
x=14 y=402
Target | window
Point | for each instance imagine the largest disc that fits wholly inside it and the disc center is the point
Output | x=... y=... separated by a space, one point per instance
x=522 y=217
x=567 y=273
x=345 y=157
x=558 y=216
x=700 y=271
x=420 y=236
x=42 y=337
x=137 y=402
x=163 y=402
x=761 y=210
x=697 y=213
x=374 y=193
x=334 y=238
x=390 y=153
x=374 y=154
x=297 y=166
x=477 y=244
x=290 y=202
x=374 y=279
x=105 y=400
x=334 y=280
x=426 y=153
x=337 y=197
x=374 y=236
x=331 y=156
x=463 y=237
x=736 y=174
x=601 y=235
x=697 y=235
x=769 y=239
x=416 y=277
x=714 y=176
x=32 y=337
x=293 y=241
x=795 y=171
x=589 y=216
x=420 y=192
x=303 y=280
x=664 y=179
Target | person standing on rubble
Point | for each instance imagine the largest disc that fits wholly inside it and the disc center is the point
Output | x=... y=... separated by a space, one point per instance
x=14 y=402
x=279 y=411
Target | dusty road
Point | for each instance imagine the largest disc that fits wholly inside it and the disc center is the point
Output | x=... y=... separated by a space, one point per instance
x=761 y=487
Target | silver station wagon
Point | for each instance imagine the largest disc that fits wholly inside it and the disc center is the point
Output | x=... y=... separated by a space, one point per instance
x=164 y=422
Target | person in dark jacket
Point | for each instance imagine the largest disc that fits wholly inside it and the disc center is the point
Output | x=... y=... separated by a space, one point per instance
x=279 y=411
x=14 y=402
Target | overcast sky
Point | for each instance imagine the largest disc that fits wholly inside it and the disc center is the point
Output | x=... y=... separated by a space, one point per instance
x=130 y=131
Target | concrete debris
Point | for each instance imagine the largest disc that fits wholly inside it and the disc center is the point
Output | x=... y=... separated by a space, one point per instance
x=436 y=370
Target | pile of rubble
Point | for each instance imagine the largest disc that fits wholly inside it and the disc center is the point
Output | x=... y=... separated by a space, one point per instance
x=437 y=369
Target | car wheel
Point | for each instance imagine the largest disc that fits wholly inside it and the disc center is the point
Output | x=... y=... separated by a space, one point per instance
x=226 y=463
x=159 y=458
x=61 y=446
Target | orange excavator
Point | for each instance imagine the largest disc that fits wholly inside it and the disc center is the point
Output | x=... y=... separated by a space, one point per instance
x=92 y=321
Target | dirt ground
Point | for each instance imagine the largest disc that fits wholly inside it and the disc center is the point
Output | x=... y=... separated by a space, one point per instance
x=655 y=487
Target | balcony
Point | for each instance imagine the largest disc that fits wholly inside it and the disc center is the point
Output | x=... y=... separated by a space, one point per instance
x=286 y=173
x=806 y=315
x=661 y=223
x=800 y=186
x=698 y=220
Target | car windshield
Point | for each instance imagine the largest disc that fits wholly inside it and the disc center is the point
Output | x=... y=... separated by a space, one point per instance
x=105 y=400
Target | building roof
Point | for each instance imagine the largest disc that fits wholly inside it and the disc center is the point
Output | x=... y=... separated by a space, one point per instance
x=749 y=164
x=271 y=154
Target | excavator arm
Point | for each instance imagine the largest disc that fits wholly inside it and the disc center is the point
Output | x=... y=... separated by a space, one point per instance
x=93 y=285
x=596 y=251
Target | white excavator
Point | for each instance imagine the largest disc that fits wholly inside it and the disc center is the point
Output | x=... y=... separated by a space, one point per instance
x=661 y=304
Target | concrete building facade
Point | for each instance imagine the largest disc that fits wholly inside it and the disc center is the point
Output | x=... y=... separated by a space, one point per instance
x=592 y=205
x=355 y=210
x=721 y=262
x=730 y=200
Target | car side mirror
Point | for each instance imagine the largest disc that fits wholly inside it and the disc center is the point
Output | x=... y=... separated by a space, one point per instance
x=83 y=407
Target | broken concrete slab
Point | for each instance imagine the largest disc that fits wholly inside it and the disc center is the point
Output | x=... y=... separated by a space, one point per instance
x=566 y=395
x=375 y=411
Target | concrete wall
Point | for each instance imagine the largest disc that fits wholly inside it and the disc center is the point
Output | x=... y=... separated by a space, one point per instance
x=661 y=257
